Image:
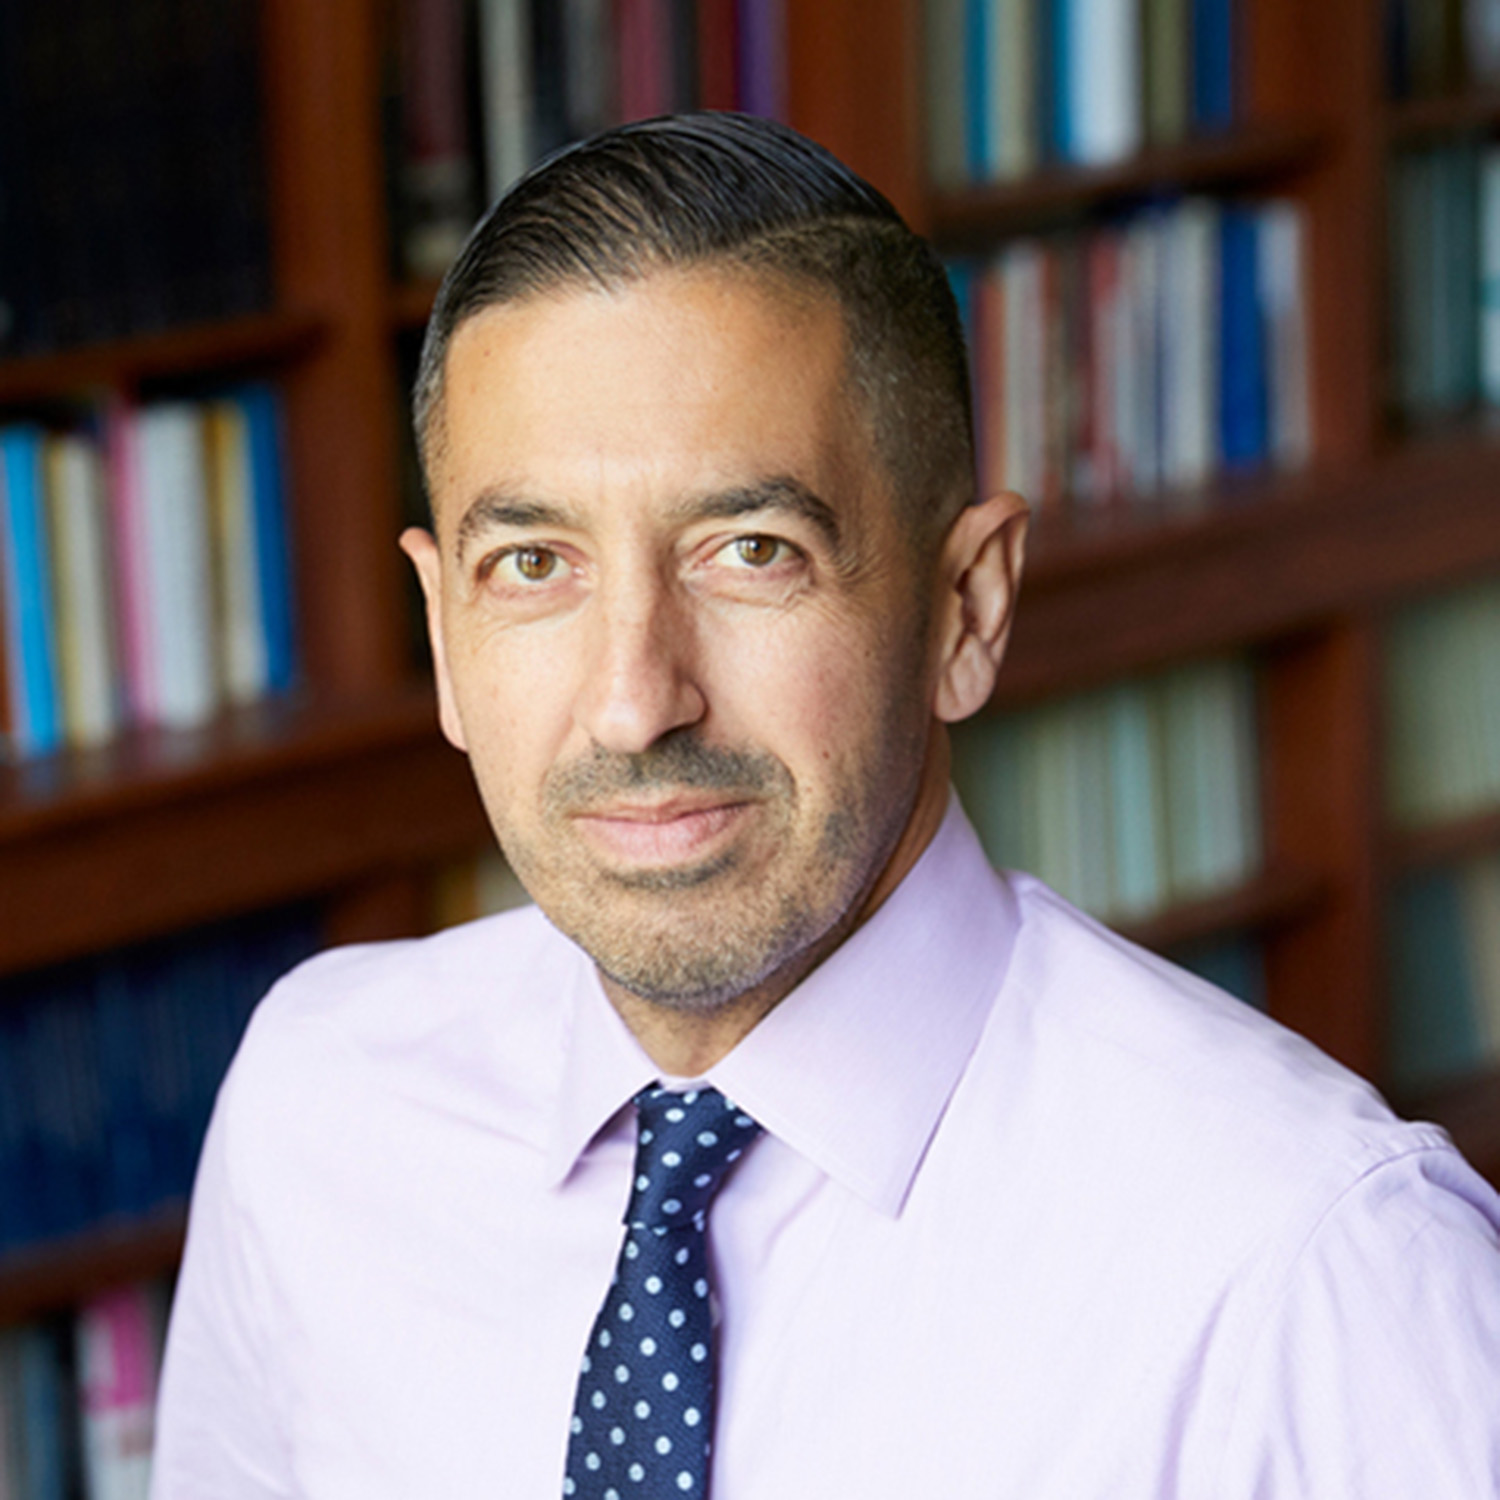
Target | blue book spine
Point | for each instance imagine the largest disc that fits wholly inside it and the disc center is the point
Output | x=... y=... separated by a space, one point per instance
x=31 y=620
x=1213 y=64
x=1061 y=103
x=17 y=1195
x=978 y=148
x=43 y=1407
x=1242 y=344
x=262 y=409
x=131 y=1173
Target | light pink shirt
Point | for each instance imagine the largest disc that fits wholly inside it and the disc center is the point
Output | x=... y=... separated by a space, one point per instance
x=1036 y=1216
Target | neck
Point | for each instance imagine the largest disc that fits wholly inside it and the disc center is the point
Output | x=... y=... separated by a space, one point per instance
x=685 y=1044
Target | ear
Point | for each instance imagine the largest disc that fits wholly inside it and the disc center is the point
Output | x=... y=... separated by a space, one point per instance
x=979 y=573
x=422 y=549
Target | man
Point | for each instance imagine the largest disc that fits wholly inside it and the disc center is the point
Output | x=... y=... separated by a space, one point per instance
x=987 y=1202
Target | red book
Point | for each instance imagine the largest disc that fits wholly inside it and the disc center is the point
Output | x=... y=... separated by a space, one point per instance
x=645 y=58
x=718 y=58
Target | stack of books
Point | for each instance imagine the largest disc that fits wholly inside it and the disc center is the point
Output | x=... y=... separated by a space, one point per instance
x=78 y=1399
x=1141 y=357
x=1128 y=800
x=1442 y=704
x=144 y=570
x=1444 y=280
x=132 y=179
x=1436 y=47
x=1444 y=1016
x=533 y=74
x=109 y=1068
x=1014 y=85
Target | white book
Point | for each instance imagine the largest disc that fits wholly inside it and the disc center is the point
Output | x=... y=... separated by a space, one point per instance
x=1012 y=76
x=1025 y=380
x=1104 y=75
x=1281 y=269
x=77 y=507
x=1190 y=343
x=179 y=595
x=244 y=666
x=505 y=84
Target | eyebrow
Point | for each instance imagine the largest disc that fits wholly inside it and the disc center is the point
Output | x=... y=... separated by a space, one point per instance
x=500 y=506
x=781 y=493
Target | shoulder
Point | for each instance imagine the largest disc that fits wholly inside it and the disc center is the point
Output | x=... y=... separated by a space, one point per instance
x=475 y=1016
x=1189 y=1083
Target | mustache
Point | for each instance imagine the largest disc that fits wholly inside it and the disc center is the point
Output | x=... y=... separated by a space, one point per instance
x=680 y=760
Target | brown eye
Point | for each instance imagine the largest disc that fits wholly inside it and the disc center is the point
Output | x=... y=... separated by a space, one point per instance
x=757 y=551
x=535 y=563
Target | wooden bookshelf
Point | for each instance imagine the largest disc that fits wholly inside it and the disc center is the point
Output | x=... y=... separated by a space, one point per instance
x=347 y=790
x=1242 y=159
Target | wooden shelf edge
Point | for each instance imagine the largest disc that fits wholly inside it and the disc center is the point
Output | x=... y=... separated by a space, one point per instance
x=1446 y=842
x=258 y=814
x=1411 y=120
x=61 y=1273
x=1259 y=562
x=975 y=216
x=199 y=349
x=1272 y=897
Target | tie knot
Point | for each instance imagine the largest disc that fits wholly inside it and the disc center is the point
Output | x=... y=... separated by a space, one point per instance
x=686 y=1145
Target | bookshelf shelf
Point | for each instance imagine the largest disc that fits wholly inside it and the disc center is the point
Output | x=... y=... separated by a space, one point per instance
x=59 y=1273
x=203 y=349
x=1111 y=594
x=1414 y=120
x=976 y=217
x=164 y=829
x=1278 y=895
x=1447 y=842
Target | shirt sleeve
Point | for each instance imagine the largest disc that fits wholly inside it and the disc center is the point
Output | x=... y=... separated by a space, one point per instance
x=218 y=1431
x=1377 y=1373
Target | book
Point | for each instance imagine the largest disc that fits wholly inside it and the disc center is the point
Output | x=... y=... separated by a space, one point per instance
x=1242 y=347
x=26 y=584
x=761 y=53
x=1215 y=58
x=1281 y=239
x=117 y=1355
x=274 y=560
x=947 y=141
x=78 y=522
x=505 y=83
x=179 y=572
x=239 y=623
x=1166 y=70
x=1103 y=89
x=1433 y=1027
x=437 y=163
x=1489 y=276
x=718 y=56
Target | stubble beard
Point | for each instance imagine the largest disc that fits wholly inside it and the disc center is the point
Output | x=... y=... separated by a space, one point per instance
x=695 y=938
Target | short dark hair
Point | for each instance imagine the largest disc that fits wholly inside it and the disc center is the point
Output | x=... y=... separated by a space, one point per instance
x=698 y=189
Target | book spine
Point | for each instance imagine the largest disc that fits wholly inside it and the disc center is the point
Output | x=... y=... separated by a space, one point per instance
x=31 y=613
x=762 y=50
x=273 y=547
x=505 y=84
x=718 y=64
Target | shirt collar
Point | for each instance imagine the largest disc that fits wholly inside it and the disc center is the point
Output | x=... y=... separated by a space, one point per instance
x=854 y=1068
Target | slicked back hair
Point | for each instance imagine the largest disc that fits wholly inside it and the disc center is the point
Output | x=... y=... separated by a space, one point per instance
x=705 y=190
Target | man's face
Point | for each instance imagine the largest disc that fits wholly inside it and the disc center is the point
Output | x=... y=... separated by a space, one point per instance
x=677 y=622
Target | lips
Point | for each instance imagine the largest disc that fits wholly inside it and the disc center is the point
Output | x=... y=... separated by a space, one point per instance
x=670 y=833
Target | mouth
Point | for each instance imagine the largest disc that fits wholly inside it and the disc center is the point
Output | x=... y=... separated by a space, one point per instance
x=659 y=835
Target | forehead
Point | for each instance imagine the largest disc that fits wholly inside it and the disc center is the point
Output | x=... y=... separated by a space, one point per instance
x=682 y=380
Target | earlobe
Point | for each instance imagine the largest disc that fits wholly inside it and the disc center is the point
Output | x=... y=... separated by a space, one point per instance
x=422 y=549
x=980 y=573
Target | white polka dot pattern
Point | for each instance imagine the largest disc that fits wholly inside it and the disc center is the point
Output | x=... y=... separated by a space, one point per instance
x=643 y=1419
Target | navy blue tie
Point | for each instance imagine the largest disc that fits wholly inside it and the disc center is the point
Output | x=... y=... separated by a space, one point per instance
x=643 y=1417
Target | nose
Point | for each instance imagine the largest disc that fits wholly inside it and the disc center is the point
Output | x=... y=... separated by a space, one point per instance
x=639 y=682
